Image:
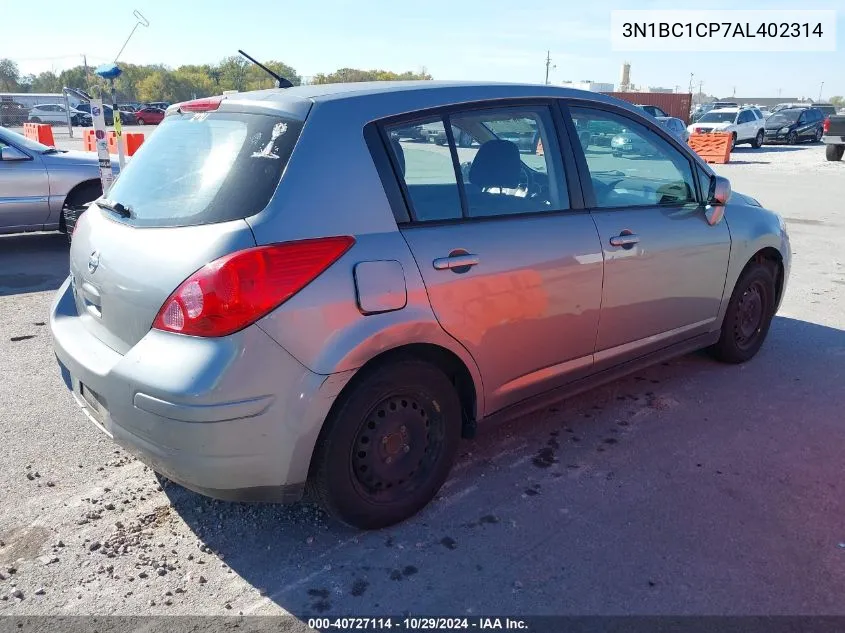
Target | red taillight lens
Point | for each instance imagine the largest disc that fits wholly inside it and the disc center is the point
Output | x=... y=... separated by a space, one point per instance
x=234 y=291
x=201 y=105
x=826 y=125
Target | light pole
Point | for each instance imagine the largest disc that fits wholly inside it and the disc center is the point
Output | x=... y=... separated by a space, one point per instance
x=820 y=93
x=548 y=65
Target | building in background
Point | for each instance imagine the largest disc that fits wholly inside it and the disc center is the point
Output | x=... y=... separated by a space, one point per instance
x=659 y=90
x=625 y=79
x=592 y=86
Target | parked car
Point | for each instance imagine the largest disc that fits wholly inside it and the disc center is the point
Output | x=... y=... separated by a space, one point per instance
x=675 y=126
x=793 y=125
x=793 y=104
x=233 y=324
x=13 y=114
x=699 y=111
x=149 y=116
x=653 y=111
x=826 y=108
x=161 y=105
x=834 y=136
x=126 y=118
x=42 y=188
x=56 y=113
x=746 y=125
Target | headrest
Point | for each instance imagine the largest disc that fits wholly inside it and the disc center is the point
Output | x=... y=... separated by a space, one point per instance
x=496 y=164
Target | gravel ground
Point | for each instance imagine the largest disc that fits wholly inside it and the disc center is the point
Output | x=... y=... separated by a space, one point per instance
x=689 y=488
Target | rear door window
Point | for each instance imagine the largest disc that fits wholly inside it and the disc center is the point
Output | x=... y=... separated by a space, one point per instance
x=496 y=162
x=423 y=158
x=202 y=168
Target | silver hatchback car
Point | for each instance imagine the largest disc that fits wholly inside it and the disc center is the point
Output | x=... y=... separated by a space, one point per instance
x=286 y=291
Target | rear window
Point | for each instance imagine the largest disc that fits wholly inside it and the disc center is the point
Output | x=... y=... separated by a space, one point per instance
x=206 y=167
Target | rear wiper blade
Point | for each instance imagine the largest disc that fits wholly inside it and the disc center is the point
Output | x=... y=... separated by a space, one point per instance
x=116 y=207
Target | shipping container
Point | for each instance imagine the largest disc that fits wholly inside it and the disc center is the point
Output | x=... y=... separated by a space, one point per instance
x=676 y=104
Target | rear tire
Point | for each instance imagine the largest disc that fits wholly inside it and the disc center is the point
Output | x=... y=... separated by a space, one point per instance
x=818 y=136
x=35 y=119
x=748 y=317
x=834 y=152
x=388 y=445
x=758 y=140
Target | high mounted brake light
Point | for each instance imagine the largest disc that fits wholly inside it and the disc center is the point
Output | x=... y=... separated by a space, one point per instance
x=236 y=290
x=202 y=105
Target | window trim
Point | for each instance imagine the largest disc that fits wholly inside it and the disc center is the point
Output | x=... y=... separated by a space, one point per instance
x=444 y=112
x=581 y=159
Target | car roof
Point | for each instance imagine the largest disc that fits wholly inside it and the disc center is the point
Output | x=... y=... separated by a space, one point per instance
x=447 y=91
x=733 y=110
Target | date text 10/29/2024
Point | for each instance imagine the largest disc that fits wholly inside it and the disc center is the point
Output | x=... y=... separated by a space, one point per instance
x=417 y=624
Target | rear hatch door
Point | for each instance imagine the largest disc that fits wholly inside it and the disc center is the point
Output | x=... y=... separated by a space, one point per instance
x=179 y=204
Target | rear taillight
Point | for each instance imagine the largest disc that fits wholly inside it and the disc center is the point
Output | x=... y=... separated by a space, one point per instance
x=236 y=290
x=826 y=125
x=201 y=105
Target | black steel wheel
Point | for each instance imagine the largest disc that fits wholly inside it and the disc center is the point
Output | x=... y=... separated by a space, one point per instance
x=388 y=444
x=748 y=317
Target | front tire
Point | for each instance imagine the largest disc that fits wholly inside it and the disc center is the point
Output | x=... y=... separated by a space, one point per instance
x=141 y=122
x=792 y=139
x=733 y=141
x=75 y=205
x=758 y=140
x=388 y=445
x=35 y=119
x=834 y=152
x=748 y=317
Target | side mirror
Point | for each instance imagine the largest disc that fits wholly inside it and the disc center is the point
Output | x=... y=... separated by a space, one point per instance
x=718 y=196
x=9 y=154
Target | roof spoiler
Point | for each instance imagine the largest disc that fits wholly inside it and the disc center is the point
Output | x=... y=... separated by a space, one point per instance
x=281 y=82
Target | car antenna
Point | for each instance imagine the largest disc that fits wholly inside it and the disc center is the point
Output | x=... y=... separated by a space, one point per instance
x=281 y=81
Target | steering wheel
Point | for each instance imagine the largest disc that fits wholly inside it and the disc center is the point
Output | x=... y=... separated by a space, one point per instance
x=529 y=183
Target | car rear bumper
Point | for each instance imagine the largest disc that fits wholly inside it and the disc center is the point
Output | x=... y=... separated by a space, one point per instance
x=234 y=417
x=833 y=140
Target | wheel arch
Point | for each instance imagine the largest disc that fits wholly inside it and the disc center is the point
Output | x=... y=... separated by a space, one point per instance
x=466 y=381
x=70 y=196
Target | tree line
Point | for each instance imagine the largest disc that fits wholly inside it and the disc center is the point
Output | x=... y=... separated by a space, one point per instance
x=157 y=82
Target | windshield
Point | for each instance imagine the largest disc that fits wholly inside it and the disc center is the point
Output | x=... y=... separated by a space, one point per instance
x=13 y=138
x=718 y=117
x=784 y=116
x=206 y=167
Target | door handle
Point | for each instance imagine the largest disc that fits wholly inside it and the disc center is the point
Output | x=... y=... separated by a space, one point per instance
x=626 y=239
x=455 y=261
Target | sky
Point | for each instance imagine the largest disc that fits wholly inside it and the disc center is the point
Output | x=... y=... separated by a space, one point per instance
x=452 y=39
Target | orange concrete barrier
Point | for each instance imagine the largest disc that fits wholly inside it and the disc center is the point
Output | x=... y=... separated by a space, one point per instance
x=40 y=132
x=714 y=147
x=131 y=142
x=89 y=141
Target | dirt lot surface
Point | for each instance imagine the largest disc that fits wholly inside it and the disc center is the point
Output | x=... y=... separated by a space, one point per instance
x=689 y=488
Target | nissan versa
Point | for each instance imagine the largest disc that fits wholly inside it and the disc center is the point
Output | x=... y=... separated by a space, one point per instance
x=283 y=291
